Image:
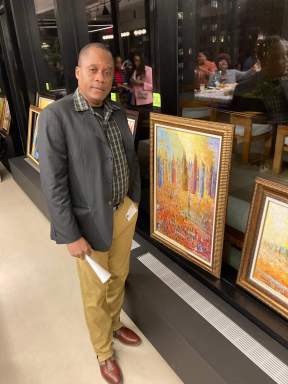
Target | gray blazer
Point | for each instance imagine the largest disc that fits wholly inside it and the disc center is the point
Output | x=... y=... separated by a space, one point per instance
x=76 y=170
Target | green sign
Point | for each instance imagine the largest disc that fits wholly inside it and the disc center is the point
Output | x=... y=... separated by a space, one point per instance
x=113 y=96
x=157 y=100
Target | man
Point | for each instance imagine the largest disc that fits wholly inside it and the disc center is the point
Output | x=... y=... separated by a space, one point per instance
x=90 y=177
x=267 y=90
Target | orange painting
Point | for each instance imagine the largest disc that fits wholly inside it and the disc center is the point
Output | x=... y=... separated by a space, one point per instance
x=186 y=181
x=270 y=266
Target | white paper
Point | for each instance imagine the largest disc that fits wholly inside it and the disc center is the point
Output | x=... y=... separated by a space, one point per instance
x=131 y=212
x=134 y=245
x=103 y=275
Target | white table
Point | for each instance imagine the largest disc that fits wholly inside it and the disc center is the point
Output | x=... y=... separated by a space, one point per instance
x=212 y=96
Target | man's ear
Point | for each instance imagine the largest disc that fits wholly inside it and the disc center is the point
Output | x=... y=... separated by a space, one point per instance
x=77 y=70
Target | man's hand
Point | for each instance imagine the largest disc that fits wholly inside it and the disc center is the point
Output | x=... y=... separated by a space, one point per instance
x=79 y=248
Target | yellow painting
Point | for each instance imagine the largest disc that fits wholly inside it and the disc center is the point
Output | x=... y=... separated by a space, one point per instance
x=270 y=265
x=43 y=102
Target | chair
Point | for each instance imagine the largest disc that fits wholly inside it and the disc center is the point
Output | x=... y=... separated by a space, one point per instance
x=194 y=109
x=249 y=127
x=281 y=145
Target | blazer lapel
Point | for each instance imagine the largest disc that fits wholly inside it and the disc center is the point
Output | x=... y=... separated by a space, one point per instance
x=88 y=121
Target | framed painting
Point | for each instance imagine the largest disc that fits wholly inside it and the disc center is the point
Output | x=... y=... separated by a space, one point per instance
x=5 y=116
x=264 y=266
x=2 y=104
x=42 y=101
x=190 y=165
x=32 y=148
x=132 y=117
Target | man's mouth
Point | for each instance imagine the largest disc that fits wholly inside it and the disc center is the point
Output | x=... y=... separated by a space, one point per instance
x=98 y=89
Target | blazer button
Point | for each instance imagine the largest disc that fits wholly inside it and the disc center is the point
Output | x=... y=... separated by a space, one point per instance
x=110 y=203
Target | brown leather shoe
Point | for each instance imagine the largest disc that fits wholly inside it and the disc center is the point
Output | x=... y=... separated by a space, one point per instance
x=111 y=371
x=127 y=336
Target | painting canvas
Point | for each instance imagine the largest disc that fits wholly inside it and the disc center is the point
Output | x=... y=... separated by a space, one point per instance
x=131 y=124
x=2 y=103
x=5 y=116
x=33 y=130
x=264 y=267
x=132 y=118
x=6 y=119
x=43 y=101
x=187 y=176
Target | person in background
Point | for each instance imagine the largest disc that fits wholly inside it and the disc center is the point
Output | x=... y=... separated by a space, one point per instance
x=204 y=69
x=141 y=83
x=250 y=61
x=267 y=91
x=119 y=74
x=128 y=69
x=120 y=83
x=224 y=75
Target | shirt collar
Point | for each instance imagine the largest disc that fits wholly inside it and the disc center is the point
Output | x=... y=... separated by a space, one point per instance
x=81 y=105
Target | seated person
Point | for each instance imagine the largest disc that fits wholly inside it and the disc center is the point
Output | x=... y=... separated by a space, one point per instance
x=267 y=90
x=204 y=69
x=224 y=75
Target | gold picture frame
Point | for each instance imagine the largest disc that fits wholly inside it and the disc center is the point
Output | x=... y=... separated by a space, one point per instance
x=42 y=101
x=5 y=119
x=32 y=152
x=179 y=188
x=264 y=265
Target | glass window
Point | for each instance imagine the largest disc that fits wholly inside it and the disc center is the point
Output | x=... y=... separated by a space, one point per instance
x=50 y=46
x=99 y=19
x=233 y=27
x=132 y=26
x=233 y=57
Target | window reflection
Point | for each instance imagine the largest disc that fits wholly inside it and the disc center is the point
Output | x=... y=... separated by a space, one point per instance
x=99 y=19
x=132 y=26
x=45 y=12
x=230 y=27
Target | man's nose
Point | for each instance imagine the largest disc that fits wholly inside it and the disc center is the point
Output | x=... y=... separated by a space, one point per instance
x=99 y=77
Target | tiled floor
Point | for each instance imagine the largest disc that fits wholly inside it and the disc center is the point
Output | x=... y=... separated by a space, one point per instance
x=43 y=337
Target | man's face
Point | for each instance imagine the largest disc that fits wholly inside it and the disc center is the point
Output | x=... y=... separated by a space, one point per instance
x=95 y=75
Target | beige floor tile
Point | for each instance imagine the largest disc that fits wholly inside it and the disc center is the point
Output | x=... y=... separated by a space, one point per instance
x=43 y=337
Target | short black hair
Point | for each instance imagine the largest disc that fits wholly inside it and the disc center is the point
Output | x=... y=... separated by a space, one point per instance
x=264 y=46
x=86 y=48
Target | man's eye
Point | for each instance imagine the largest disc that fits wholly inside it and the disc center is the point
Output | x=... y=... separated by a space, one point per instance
x=92 y=70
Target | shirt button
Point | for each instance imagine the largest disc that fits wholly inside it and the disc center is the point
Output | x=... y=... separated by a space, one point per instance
x=110 y=203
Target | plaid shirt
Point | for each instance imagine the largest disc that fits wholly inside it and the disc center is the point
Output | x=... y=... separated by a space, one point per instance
x=120 y=183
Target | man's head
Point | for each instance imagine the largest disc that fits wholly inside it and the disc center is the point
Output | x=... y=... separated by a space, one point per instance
x=95 y=73
x=272 y=52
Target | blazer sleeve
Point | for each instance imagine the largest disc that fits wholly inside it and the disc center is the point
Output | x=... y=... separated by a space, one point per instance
x=148 y=81
x=54 y=177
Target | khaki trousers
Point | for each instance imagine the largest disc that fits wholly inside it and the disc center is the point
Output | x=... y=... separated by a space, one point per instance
x=103 y=302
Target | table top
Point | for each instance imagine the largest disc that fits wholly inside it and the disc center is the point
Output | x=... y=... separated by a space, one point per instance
x=214 y=96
